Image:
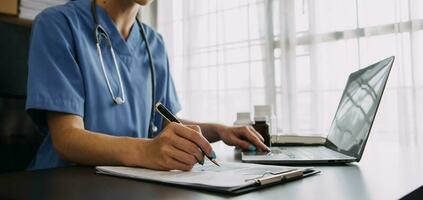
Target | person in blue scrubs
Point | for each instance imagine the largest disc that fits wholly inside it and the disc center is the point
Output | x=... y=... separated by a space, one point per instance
x=69 y=100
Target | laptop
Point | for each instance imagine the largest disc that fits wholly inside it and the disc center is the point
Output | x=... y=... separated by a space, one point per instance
x=350 y=127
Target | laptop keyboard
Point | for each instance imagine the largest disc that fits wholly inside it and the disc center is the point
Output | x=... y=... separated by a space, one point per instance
x=308 y=153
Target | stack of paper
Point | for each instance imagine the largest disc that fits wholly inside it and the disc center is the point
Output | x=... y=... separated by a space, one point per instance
x=29 y=9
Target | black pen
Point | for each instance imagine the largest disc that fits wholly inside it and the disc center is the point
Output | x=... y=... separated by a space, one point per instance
x=165 y=113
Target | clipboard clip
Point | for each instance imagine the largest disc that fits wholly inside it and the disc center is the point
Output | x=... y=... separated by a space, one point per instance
x=279 y=177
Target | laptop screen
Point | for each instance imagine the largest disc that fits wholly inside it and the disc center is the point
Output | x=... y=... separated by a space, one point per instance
x=357 y=109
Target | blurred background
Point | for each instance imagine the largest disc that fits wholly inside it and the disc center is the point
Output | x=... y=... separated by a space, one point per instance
x=228 y=55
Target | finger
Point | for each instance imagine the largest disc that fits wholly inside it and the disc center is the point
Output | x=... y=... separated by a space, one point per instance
x=188 y=147
x=172 y=164
x=194 y=127
x=182 y=156
x=195 y=137
x=257 y=133
x=241 y=143
x=193 y=134
x=251 y=137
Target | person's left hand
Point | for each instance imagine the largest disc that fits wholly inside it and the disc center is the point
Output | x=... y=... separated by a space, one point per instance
x=242 y=136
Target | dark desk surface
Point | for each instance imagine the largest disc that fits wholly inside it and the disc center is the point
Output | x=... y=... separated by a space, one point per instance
x=387 y=171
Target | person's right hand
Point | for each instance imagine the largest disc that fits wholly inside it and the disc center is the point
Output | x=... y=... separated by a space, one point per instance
x=177 y=147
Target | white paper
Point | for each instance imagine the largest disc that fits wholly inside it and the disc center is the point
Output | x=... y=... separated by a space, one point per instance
x=228 y=176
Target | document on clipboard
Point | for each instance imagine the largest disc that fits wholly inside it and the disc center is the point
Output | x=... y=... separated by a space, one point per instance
x=231 y=177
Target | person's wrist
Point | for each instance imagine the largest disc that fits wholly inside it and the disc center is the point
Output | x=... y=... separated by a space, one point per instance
x=220 y=129
x=135 y=154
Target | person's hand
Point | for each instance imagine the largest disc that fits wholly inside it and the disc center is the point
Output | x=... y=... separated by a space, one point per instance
x=177 y=147
x=245 y=137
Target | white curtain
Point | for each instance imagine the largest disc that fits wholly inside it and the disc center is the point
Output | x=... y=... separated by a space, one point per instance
x=216 y=50
x=228 y=55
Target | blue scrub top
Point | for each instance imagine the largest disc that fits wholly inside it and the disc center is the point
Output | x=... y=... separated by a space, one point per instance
x=65 y=75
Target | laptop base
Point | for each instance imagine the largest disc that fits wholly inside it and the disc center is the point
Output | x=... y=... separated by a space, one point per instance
x=289 y=155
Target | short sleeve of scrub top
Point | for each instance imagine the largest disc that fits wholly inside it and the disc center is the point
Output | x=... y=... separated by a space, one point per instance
x=65 y=76
x=55 y=82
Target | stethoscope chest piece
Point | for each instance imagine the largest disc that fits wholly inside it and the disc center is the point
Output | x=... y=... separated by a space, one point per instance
x=119 y=100
x=154 y=128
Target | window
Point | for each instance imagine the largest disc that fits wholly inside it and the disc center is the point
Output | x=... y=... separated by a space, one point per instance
x=216 y=49
x=229 y=55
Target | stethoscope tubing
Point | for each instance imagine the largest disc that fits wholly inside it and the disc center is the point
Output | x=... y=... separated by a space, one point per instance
x=122 y=88
x=122 y=99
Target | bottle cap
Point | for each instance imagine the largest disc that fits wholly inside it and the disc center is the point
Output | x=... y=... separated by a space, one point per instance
x=243 y=118
x=262 y=110
x=261 y=118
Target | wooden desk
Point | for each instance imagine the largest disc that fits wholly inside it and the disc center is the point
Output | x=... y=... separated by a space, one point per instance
x=387 y=171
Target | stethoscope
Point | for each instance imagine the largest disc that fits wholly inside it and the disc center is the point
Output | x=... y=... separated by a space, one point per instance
x=100 y=34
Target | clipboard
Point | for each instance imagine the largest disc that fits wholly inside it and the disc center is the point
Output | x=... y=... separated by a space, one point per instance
x=253 y=183
x=276 y=180
x=262 y=183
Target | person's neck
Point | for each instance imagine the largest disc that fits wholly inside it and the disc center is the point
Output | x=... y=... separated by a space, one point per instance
x=122 y=12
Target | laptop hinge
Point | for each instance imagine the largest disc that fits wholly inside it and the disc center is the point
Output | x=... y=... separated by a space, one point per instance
x=332 y=146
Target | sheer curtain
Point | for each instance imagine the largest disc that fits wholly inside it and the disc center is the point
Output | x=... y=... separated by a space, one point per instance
x=216 y=50
x=228 y=55
x=333 y=38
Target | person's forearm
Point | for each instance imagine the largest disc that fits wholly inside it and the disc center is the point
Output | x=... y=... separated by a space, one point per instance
x=90 y=148
x=210 y=131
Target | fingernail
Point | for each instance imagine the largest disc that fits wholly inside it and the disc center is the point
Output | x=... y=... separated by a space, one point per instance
x=252 y=148
x=213 y=155
x=201 y=162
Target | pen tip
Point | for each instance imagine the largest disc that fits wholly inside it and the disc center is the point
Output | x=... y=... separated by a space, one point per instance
x=215 y=162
